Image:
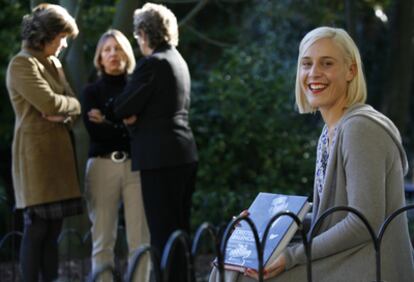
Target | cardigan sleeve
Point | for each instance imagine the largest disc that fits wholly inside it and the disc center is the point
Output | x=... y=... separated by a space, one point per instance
x=365 y=153
x=29 y=83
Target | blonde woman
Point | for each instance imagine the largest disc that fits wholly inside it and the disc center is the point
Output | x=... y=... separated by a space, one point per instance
x=109 y=179
x=360 y=163
x=44 y=167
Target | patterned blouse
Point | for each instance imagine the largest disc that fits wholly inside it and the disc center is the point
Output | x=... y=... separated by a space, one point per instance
x=322 y=157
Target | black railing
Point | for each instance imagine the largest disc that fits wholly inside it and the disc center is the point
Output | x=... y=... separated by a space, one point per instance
x=106 y=269
x=136 y=260
x=161 y=268
x=261 y=243
x=177 y=237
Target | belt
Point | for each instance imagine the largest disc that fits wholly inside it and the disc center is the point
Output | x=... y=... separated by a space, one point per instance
x=116 y=156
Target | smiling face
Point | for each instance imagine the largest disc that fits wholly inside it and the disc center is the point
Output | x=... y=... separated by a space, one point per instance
x=54 y=47
x=324 y=76
x=112 y=58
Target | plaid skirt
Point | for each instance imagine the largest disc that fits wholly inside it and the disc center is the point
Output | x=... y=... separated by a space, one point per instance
x=55 y=210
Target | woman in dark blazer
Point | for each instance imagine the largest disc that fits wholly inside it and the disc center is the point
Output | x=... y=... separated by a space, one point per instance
x=45 y=179
x=155 y=105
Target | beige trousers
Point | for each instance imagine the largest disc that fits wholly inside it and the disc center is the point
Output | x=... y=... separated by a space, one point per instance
x=107 y=185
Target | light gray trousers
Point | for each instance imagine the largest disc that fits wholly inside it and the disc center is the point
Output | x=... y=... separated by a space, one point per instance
x=107 y=184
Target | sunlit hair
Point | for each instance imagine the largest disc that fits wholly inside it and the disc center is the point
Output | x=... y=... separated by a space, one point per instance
x=158 y=23
x=357 y=90
x=123 y=42
x=45 y=23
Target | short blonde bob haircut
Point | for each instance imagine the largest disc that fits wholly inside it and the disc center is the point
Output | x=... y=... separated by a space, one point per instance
x=45 y=23
x=158 y=23
x=123 y=42
x=357 y=90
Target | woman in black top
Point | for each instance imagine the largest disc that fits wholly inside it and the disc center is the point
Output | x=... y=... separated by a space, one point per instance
x=109 y=179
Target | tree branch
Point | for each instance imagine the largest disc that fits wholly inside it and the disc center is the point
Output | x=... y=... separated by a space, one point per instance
x=193 y=12
x=124 y=15
x=207 y=39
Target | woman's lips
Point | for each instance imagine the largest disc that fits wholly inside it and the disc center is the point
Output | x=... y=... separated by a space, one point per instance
x=316 y=88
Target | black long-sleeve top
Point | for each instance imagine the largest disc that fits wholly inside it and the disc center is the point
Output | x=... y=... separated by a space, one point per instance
x=111 y=135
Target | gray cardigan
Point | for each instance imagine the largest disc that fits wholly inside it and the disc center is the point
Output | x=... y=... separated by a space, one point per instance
x=366 y=171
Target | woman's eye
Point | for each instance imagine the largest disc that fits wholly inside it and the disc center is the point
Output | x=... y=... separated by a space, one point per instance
x=306 y=64
x=328 y=63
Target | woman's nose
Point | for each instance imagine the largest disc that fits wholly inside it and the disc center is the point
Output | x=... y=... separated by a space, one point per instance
x=314 y=70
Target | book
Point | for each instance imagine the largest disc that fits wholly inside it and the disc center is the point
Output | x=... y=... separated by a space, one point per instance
x=241 y=250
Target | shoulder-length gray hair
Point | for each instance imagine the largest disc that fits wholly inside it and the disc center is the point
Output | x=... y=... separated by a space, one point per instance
x=158 y=23
x=45 y=23
x=357 y=89
x=123 y=42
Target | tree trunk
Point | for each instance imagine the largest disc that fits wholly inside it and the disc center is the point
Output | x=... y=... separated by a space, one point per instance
x=397 y=90
x=123 y=19
x=350 y=17
x=73 y=59
x=75 y=69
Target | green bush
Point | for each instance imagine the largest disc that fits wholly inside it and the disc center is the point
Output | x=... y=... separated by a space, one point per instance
x=10 y=19
x=249 y=134
x=250 y=137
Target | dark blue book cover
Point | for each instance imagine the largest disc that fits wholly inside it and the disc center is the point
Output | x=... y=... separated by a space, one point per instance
x=241 y=248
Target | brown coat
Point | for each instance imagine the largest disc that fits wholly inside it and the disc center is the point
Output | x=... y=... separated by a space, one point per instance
x=44 y=165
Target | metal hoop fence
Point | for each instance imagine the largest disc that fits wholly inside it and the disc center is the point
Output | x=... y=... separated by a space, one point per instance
x=161 y=268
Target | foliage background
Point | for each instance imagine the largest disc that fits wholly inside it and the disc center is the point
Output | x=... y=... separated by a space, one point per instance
x=242 y=55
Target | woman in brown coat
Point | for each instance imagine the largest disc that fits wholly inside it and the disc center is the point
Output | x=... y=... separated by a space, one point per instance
x=44 y=168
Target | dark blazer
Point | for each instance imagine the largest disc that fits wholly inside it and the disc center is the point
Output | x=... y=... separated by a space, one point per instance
x=159 y=95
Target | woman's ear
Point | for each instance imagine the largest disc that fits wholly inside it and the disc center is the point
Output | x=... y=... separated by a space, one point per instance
x=352 y=72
